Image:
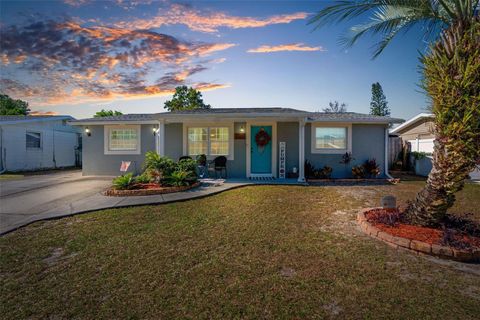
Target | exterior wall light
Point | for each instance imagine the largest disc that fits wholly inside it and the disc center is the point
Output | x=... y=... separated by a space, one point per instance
x=242 y=129
x=155 y=130
x=88 y=132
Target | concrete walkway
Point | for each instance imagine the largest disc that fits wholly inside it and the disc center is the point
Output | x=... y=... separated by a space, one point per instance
x=60 y=195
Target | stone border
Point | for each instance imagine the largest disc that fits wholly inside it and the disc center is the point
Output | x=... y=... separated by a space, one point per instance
x=416 y=246
x=147 y=192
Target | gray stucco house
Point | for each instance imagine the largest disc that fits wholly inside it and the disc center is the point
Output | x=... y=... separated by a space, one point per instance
x=292 y=137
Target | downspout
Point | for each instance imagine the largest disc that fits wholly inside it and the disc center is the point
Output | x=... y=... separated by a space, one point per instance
x=386 y=154
x=2 y=153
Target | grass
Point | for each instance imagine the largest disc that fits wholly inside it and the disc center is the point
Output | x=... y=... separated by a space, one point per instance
x=4 y=177
x=257 y=252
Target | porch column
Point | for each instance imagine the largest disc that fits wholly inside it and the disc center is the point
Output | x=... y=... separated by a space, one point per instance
x=301 y=151
x=161 y=138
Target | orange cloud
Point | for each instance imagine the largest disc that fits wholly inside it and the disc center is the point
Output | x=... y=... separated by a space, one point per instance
x=43 y=113
x=180 y=14
x=285 y=47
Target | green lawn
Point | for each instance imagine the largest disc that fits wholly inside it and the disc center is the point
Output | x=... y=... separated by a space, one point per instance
x=256 y=252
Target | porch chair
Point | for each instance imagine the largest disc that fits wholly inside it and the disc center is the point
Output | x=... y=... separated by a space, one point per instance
x=219 y=165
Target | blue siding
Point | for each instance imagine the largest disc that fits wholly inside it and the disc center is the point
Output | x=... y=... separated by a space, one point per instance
x=368 y=141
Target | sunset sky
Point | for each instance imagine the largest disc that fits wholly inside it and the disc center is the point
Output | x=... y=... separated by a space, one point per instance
x=78 y=56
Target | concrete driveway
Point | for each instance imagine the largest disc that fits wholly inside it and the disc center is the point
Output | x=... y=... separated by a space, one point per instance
x=31 y=198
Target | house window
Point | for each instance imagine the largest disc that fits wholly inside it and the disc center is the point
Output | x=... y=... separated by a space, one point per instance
x=122 y=139
x=33 y=140
x=197 y=141
x=212 y=141
x=331 y=138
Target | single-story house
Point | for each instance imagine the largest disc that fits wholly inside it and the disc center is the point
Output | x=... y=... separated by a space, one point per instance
x=418 y=132
x=258 y=142
x=38 y=142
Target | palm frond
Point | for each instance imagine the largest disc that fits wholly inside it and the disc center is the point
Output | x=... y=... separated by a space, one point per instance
x=389 y=17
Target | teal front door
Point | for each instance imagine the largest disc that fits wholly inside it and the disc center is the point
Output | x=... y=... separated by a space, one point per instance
x=261 y=156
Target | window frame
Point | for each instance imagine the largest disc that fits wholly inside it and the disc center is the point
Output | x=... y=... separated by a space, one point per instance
x=229 y=125
x=315 y=125
x=106 y=134
x=41 y=140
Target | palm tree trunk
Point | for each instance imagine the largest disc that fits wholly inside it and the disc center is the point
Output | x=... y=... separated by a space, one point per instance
x=452 y=79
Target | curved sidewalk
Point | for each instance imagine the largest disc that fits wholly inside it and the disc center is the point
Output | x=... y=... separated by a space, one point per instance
x=97 y=201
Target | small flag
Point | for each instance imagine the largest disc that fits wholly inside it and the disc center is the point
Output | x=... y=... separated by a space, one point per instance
x=125 y=165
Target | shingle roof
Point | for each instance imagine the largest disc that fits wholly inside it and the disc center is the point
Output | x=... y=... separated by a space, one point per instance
x=123 y=117
x=32 y=118
x=237 y=111
x=350 y=116
x=251 y=112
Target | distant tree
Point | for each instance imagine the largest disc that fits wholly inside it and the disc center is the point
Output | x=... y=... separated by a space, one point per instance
x=379 y=104
x=12 y=107
x=335 y=107
x=186 y=98
x=107 y=113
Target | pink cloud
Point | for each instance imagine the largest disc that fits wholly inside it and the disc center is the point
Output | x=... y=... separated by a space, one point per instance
x=285 y=47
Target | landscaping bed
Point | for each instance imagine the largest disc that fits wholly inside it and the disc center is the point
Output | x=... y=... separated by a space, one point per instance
x=148 y=189
x=438 y=242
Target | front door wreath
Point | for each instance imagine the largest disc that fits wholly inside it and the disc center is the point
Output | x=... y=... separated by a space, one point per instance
x=262 y=139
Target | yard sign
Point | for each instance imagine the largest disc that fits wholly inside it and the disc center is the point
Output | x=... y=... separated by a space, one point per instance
x=282 y=160
x=125 y=165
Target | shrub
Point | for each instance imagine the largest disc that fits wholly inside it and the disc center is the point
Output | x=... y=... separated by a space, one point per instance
x=358 y=172
x=124 y=182
x=157 y=166
x=309 y=169
x=418 y=155
x=187 y=165
x=347 y=157
x=372 y=169
x=201 y=160
x=143 y=178
x=326 y=172
x=177 y=179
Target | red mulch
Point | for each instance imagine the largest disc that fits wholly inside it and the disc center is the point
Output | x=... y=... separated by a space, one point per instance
x=147 y=186
x=425 y=234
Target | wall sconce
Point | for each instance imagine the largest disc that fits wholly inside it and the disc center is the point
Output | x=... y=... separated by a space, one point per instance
x=88 y=132
x=242 y=129
x=155 y=130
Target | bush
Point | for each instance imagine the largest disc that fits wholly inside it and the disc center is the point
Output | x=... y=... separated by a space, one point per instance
x=124 y=182
x=309 y=169
x=157 y=166
x=177 y=179
x=324 y=173
x=358 y=172
x=187 y=165
x=143 y=178
x=418 y=155
x=372 y=169
x=201 y=160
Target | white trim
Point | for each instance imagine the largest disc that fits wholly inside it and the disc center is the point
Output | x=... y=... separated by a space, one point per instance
x=248 y=147
x=110 y=122
x=106 y=140
x=313 y=127
x=231 y=135
x=411 y=121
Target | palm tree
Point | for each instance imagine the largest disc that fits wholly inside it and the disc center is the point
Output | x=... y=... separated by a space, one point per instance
x=451 y=72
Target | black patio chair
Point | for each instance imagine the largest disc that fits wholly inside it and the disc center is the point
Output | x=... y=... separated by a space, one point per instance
x=220 y=165
x=184 y=158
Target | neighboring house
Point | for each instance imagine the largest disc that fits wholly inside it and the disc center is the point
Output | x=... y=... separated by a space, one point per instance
x=38 y=142
x=321 y=138
x=418 y=132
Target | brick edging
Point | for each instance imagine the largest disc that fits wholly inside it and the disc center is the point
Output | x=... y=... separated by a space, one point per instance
x=416 y=246
x=147 y=192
